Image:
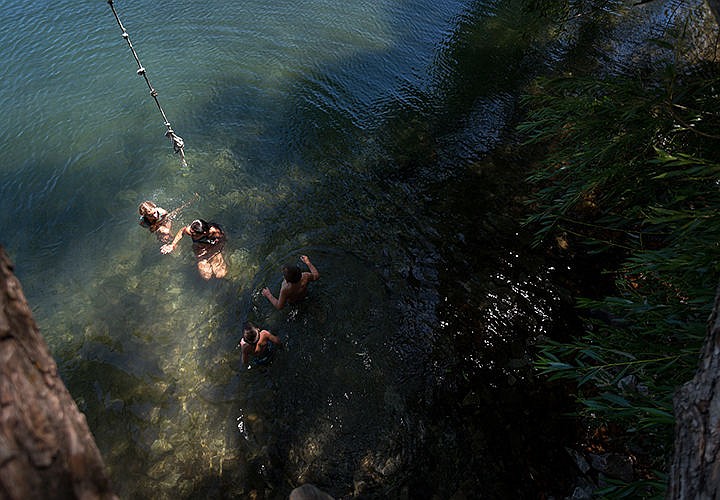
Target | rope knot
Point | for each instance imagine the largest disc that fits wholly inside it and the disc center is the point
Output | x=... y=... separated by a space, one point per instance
x=178 y=143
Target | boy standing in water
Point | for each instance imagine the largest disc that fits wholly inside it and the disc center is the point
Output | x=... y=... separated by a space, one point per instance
x=294 y=285
x=254 y=342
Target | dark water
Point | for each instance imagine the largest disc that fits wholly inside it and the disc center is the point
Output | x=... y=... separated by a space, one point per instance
x=356 y=133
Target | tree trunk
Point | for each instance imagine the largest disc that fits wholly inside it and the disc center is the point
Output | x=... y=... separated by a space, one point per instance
x=46 y=448
x=695 y=472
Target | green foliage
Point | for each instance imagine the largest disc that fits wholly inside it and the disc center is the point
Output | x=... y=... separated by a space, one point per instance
x=654 y=488
x=597 y=132
x=628 y=164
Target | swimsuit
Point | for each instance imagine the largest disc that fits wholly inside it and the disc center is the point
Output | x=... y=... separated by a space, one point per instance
x=206 y=246
x=153 y=226
x=205 y=239
x=264 y=357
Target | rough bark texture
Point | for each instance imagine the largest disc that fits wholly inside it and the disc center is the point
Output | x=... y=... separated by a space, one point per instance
x=46 y=448
x=695 y=472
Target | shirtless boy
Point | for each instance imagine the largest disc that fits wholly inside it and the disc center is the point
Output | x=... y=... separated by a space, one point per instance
x=294 y=285
x=254 y=342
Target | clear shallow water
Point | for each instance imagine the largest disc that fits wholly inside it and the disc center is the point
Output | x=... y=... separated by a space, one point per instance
x=319 y=128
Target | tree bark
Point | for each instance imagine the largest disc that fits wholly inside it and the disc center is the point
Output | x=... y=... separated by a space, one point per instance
x=695 y=471
x=46 y=448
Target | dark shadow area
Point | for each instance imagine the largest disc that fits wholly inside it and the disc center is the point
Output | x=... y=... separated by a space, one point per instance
x=462 y=410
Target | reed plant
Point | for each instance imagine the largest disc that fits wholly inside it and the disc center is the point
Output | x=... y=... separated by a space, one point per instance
x=626 y=170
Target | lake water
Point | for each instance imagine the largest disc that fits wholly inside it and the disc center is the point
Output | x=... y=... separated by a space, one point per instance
x=352 y=132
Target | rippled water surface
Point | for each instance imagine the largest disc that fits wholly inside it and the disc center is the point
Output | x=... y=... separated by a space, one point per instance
x=345 y=131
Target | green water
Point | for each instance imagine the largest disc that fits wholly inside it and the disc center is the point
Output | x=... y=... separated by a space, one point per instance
x=344 y=131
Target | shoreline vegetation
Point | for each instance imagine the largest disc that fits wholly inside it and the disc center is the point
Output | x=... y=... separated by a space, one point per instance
x=624 y=176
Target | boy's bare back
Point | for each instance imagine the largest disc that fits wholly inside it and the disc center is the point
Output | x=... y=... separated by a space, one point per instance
x=291 y=292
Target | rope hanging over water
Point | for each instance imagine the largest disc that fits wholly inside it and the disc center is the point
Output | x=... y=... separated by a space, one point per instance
x=177 y=142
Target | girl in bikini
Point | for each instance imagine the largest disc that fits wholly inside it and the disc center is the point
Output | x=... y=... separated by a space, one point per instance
x=208 y=241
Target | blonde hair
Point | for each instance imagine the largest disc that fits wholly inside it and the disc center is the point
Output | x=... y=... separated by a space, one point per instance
x=149 y=211
x=147 y=208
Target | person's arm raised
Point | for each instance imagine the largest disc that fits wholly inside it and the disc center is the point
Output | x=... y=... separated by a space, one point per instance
x=313 y=270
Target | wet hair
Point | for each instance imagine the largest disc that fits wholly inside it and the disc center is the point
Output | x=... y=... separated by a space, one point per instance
x=199 y=226
x=148 y=209
x=291 y=273
x=250 y=332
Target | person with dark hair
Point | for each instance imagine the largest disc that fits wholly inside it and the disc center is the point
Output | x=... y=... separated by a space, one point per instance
x=294 y=285
x=156 y=219
x=254 y=342
x=208 y=242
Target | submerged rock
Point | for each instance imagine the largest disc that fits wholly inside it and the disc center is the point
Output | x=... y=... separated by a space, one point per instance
x=613 y=465
x=309 y=492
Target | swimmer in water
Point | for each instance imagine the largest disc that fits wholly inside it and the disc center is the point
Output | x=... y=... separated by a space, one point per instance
x=208 y=242
x=254 y=342
x=294 y=285
x=156 y=219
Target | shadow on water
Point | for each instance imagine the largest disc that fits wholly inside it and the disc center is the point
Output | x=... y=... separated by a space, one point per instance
x=405 y=372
